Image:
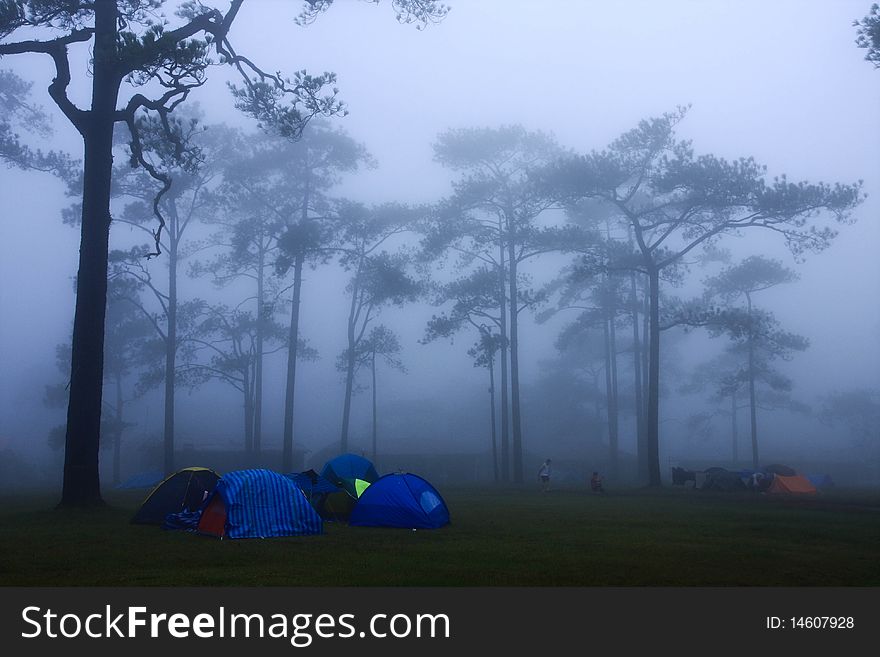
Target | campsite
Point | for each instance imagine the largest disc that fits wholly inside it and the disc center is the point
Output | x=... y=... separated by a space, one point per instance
x=397 y=529
x=687 y=534
x=496 y=538
x=417 y=293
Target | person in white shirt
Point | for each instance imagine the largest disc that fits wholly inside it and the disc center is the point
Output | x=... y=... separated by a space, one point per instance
x=544 y=474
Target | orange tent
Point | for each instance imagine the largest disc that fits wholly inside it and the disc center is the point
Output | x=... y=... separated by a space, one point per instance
x=796 y=484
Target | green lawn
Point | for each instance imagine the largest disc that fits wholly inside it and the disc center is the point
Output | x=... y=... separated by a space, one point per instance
x=498 y=537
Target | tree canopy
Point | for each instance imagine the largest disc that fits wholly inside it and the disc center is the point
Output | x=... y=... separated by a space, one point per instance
x=674 y=201
x=868 y=35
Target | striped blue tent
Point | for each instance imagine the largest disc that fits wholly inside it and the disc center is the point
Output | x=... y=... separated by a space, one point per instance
x=258 y=504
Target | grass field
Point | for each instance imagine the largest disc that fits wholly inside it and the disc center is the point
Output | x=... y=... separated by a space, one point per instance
x=497 y=537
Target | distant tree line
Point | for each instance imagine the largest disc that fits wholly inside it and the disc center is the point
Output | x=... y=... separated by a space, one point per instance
x=630 y=221
x=623 y=219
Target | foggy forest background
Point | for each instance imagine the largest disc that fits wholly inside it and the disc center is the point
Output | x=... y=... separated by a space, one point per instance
x=383 y=223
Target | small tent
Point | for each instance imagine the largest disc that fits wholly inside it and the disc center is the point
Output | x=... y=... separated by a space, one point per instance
x=185 y=490
x=793 y=485
x=337 y=506
x=400 y=500
x=258 y=504
x=350 y=472
x=329 y=500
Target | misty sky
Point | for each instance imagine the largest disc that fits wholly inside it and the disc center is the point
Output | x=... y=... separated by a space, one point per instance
x=781 y=81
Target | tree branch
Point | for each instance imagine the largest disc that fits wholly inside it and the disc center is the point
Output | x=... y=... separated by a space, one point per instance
x=57 y=50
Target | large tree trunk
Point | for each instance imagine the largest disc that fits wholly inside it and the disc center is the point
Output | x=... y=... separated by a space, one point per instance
x=248 y=415
x=597 y=405
x=606 y=347
x=81 y=485
x=293 y=337
x=642 y=448
x=611 y=393
x=516 y=420
x=733 y=427
x=611 y=363
x=117 y=433
x=505 y=413
x=646 y=331
x=753 y=406
x=753 y=416
x=350 y=363
x=653 y=419
x=170 y=355
x=346 y=407
x=492 y=416
x=292 y=344
x=375 y=426
x=258 y=365
x=615 y=408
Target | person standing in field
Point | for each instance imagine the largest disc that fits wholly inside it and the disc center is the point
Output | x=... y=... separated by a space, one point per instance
x=596 y=483
x=544 y=474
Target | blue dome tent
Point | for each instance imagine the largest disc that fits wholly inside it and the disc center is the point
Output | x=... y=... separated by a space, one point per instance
x=400 y=500
x=351 y=472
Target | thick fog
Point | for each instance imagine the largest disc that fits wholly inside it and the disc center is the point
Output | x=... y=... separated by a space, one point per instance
x=782 y=82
